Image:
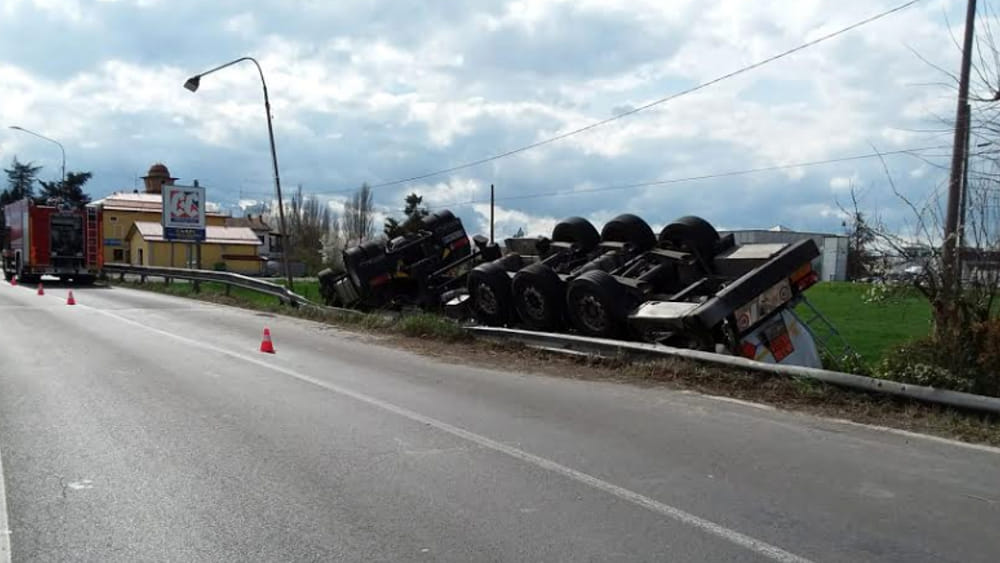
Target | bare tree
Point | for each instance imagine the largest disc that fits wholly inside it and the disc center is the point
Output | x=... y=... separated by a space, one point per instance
x=359 y=220
x=860 y=226
x=309 y=225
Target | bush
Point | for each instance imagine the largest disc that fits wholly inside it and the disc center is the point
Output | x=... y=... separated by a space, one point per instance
x=426 y=324
x=919 y=362
x=969 y=363
x=987 y=338
x=219 y=266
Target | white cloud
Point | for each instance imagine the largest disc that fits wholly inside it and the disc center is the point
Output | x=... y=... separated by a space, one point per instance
x=376 y=92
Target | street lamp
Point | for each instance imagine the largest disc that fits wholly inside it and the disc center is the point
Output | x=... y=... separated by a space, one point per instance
x=192 y=85
x=40 y=136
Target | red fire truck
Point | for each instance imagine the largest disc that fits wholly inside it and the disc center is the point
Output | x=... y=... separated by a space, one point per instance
x=53 y=240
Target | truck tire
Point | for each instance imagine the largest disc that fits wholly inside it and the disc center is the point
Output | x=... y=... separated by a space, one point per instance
x=577 y=230
x=510 y=262
x=489 y=286
x=7 y=276
x=692 y=234
x=539 y=297
x=597 y=305
x=631 y=229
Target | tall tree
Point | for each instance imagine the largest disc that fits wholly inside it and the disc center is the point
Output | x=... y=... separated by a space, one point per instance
x=414 y=211
x=861 y=234
x=68 y=191
x=309 y=223
x=21 y=177
x=359 y=215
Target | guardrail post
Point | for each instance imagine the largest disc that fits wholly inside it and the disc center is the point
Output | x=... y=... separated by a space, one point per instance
x=228 y=286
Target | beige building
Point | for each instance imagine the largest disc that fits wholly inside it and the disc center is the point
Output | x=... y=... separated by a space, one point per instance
x=122 y=211
x=233 y=249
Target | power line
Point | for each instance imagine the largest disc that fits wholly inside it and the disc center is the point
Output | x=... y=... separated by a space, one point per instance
x=711 y=176
x=654 y=103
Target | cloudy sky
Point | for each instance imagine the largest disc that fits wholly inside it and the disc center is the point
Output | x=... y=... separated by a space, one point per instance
x=374 y=90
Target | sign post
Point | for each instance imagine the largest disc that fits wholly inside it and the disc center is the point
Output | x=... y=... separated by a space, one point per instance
x=184 y=216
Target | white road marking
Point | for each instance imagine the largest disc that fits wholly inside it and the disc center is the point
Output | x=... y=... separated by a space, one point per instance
x=207 y=306
x=758 y=546
x=4 y=525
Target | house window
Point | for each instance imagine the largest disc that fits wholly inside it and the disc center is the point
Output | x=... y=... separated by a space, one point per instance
x=118 y=255
x=113 y=219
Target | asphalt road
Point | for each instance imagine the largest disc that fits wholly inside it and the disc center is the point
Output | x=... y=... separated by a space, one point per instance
x=139 y=427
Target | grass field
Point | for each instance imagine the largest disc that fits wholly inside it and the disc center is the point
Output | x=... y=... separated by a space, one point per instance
x=870 y=328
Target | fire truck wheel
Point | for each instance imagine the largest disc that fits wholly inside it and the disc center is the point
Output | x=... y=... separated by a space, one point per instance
x=691 y=233
x=538 y=297
x=629 y=228
x=489 y=286
x=597 y=304
x=577 y=230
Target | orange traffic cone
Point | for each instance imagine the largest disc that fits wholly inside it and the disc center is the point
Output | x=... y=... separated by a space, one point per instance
x=70 y=300
x=41 y=291
x=266 y=345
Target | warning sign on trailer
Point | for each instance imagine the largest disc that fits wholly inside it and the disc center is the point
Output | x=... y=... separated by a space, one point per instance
x=184 y=213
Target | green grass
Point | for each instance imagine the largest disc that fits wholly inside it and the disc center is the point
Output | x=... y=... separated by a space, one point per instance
x=870 y=328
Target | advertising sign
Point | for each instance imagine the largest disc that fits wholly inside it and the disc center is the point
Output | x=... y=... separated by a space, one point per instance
x=183 y=213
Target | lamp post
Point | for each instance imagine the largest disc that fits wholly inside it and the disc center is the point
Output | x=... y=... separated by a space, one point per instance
x=192 y=85
x=40 y=136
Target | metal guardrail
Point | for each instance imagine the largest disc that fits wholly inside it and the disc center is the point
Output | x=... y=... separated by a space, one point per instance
x=617 y=348
x=228 y=278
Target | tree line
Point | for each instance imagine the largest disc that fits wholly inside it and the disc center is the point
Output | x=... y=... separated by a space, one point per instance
x=22 y=178
x=317 y=234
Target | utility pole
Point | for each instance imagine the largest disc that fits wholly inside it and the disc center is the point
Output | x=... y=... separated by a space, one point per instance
x=491 y=212
x=951 y=253
x=964 y=203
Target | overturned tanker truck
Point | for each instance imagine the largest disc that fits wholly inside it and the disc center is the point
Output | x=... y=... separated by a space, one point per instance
x=686 y=287
x=418 y=269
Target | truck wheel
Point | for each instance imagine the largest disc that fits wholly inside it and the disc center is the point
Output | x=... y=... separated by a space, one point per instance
x=489 y=286
x=538 y=297
x=692 y=234
x=577 y=230
x=510 y=262
x=629 y=228
x=7 y=276
x=597 y=304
